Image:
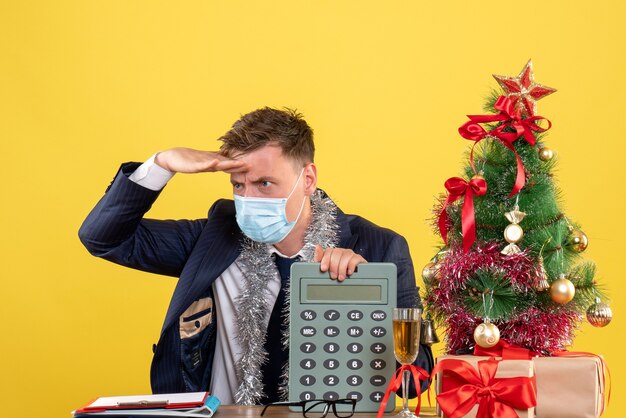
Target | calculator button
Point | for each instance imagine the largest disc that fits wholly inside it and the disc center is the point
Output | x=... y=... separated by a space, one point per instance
x=378 y=348
x=307 y=347
x=378 y=364
x=331 y=364
x=330 y=396
x=376 y=396
x=331 y=315
x=355 y=348
x=354 y=380
x=331 y=380
x=379 y=315
x=331 y=331
x=355 y=315
x=307 y=380
x=378 y=380
x=307 y=396
x=354 y=395
x=355 y=331
x=331 y=348
x=355 y=364
x=307 y=331
x=307 y=363
x=308 y=315
x=378 y=332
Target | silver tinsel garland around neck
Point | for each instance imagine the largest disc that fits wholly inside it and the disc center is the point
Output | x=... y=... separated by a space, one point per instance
x=253 y=306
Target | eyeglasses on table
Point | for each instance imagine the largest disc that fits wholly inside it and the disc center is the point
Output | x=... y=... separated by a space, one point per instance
x=319 y=408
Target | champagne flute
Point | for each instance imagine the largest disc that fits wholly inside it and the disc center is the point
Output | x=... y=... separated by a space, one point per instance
x=406 y=343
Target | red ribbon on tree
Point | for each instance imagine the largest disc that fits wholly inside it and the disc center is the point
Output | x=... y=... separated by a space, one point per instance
x=457 y=188
x=505 y=350
x=496 y=397
x=396 y=383
x=509 y=118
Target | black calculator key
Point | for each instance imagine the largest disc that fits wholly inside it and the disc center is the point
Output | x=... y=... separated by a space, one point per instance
x=378 y=348
x=331 y=380
x=377 y=396
x=307 y=364
x=331 y=347
x=308 y=315
x=355 y=331
x=331 y=364
x=379 y=315
x=378 y=364
x=355 y=395
x=307 y=396
x=331 y=331
x=354 y=380
x=378 y=380
x=307 y=380
x=355 y=315
x=355 y=347
x=307 y=347
x=331 y=315
x=378 y=332
x=307 y=331
x=330 y=396
x=355 y=364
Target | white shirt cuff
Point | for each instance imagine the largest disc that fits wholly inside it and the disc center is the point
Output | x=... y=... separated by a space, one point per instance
x=151 y=176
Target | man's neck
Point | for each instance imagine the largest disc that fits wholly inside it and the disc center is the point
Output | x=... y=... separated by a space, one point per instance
x=295 y=240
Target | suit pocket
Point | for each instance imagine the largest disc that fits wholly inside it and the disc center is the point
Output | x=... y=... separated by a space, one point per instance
x=196 y=318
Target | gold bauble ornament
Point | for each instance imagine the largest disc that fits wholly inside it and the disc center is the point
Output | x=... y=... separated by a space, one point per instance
x=577 y=240
x=430 y=273
x=545 y=154
x=562 y=290
x=486 y=335
x=599 y=314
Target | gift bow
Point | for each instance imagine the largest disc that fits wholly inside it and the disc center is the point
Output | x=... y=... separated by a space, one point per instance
x=505 y=350
x=396 y=383
x=457 y=188
x=510 y=118
x=496 y=397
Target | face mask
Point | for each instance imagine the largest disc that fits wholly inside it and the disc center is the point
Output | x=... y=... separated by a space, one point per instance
x=264 y=219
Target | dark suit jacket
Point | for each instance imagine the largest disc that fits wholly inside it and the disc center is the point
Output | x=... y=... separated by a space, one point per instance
x=198 y=251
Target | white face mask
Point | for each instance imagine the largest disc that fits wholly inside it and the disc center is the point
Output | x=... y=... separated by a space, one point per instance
x=264 y=219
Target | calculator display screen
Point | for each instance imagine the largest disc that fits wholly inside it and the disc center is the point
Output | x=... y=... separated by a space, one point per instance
x=325 y=293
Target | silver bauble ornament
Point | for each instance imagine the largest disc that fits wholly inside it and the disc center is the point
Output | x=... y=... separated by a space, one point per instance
x=599 y=314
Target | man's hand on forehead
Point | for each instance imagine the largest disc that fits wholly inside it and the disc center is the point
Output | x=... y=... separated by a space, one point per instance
x=187 y=160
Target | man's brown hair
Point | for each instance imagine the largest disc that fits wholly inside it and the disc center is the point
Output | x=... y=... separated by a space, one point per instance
x=266 y=126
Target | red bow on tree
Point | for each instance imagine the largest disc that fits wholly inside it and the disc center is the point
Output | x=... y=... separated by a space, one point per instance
x=509 y=118
x=457 y=188
x=496 y=397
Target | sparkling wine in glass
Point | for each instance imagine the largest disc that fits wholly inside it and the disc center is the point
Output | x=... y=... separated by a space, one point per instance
x=406 y=343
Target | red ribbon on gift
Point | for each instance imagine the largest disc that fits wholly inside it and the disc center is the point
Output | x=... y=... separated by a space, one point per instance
x=509 y=118
x=457 y=188
x=396 y=383
x=505 y=350
x=496 y=397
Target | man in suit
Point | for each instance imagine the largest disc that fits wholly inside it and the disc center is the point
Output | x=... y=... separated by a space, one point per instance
x=224 y=326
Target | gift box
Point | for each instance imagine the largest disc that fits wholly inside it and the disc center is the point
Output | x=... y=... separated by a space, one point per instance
x=449 y=383
x=569 y=387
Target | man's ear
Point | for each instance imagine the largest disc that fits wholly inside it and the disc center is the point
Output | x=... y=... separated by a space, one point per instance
x=310 y=179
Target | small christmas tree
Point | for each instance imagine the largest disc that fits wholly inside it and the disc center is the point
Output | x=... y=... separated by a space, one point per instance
x=510 y=266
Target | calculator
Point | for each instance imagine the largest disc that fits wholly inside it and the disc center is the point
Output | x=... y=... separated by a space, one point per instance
x=341 y=340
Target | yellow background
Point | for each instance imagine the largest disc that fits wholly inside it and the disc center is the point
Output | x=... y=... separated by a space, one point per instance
x=86 y=85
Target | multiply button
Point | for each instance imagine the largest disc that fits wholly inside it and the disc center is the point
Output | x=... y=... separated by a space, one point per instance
x=378 y=380
x=378 y=364
x=355 y=331
x=378 y=348
x=378 y=332
x=376 y=396
x=331 y=331
x=331 y=315
x=308 y=315
x=307 y=331
x=379 y=315
x=355 y=315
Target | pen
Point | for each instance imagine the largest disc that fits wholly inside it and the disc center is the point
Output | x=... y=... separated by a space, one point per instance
x=144 y=403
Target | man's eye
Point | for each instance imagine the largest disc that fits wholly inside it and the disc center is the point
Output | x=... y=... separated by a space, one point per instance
x=266 y=184
x=237 y=186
